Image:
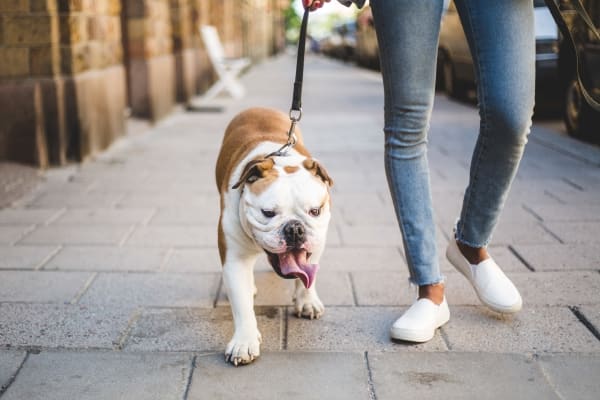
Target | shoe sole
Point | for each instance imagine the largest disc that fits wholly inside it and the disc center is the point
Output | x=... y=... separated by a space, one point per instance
x=413 y=336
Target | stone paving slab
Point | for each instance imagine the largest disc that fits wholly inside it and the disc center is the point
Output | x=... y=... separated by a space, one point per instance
x=573 y=376
x=77 y=234
x=26 y=216
x=101 y=375
x=107 y=258
x=158 y=290
x=288 y=375
x=10 y=362
x=511 y=233
x=532 y=330
x=458 y=376
x=592 y=314
x=353 y=329
x=168 y=200
x=61 y=325
x=11 y=234
x=75 y=200
x=173 y=236
x=363 y=258
x=41 y=286
x=560 y=257
x=187 y=216
x=25 y=257
x=537 y=289
x=370 y=235
x=194 y=260
x=198 y=329
x=576 y=232
x=104 y=216
x=383 y=288
x=333 y=288
x=566 y=212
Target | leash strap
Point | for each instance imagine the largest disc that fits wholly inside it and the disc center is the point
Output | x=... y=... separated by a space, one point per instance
x=297 y=97
x=296 y=109
x=564 y=29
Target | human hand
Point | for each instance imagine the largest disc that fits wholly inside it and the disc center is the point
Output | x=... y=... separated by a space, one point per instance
x=312 y=5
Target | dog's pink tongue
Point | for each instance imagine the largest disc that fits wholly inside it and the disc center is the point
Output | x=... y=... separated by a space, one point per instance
x=295 y=263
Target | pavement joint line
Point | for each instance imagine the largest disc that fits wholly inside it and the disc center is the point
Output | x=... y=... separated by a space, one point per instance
x=573 y=184
x=146 y=222
x=25 y=232
x=55 y=216
x=547 y=377
x=520 y=258
x=84 y=289
x=445 y=338
x=119 y=344
x=165 y=260
x=586 y=322
x=555 y=197
x=562 y=151
x=127 y=235
x=370 y=383
x=49 y=257
x=554 y=235
x=13 y=377
x=530 y=211
x=353 y=288
x=285 y=327
x=188 y=383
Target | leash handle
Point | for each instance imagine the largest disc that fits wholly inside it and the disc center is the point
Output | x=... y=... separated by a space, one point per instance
x=296 y=110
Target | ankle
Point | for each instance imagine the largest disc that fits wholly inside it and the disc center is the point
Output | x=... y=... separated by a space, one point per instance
x=434 y=292
x=474 y=255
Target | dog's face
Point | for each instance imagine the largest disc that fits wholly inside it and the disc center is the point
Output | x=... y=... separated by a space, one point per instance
x=284 y=207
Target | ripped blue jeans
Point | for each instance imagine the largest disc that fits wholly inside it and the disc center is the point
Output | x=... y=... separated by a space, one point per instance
x=502 y=41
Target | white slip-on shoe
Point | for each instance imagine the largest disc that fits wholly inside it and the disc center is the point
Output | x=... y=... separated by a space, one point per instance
x=419 y=322
x=493 y=288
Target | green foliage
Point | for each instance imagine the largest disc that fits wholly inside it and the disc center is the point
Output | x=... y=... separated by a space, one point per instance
x=292 y=23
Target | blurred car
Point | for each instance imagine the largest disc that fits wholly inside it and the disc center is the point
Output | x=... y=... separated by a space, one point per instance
x=367 y=50
x=455 y=70
x=341 y=43
x=581 y=120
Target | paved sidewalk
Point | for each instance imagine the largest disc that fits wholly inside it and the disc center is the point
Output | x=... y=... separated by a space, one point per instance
x=110 y=282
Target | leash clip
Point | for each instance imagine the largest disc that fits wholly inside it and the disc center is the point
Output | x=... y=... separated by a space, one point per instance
x=295 y=116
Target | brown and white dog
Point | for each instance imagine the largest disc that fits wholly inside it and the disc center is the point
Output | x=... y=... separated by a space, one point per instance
x=278 y=205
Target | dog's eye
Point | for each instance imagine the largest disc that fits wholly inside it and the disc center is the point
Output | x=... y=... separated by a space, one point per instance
x=268 y=213
x=315 y=212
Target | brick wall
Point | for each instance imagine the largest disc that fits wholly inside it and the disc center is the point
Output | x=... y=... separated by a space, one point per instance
x=70 y=69
x=56 y=60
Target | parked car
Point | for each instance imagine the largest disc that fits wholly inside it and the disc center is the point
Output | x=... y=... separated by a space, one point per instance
x=581 y=120
x=455 y=65
x=341 y=43
x=367 y=50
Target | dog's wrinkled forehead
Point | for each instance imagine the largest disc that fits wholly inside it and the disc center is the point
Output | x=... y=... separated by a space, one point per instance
x=259 y=174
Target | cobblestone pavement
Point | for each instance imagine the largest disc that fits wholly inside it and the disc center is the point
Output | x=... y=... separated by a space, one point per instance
x=110 y=283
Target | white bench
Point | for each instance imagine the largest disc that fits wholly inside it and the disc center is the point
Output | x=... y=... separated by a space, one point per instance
x=227 y=69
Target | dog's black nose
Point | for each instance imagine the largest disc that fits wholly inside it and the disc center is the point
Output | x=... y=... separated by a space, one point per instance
x=294 y=233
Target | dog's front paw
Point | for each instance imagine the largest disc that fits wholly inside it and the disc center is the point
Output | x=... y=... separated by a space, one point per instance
x=308 y=305
x=243 y=348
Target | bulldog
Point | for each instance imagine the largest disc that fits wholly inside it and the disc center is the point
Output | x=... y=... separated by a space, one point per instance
x=277 y=205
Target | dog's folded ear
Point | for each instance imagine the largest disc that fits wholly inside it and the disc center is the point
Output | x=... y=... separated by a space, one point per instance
x=255 y=170
x=318 y=170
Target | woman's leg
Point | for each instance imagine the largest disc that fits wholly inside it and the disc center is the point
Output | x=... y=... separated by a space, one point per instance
x=407 y=32
x=502 y=41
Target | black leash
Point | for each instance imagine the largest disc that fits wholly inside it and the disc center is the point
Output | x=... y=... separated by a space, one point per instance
x=564 y=29
x=296 y=109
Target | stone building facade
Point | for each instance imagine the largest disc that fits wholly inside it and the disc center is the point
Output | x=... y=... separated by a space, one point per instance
x=71 y=70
